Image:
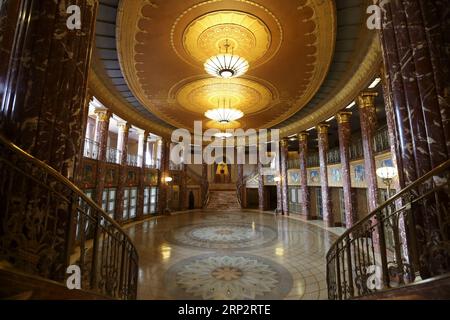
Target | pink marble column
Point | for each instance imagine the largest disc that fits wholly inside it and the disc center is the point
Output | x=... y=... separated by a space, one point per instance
x=143 y=137
x=344 y=129
x=43 y=76
x=284 y=148
x=415 y=47
x=261 y=193
x=303 y=156
x=101 y=137
x=415 y=50
x=322 y=133
x=368 y=121
x=122 y=147
x=164 y=172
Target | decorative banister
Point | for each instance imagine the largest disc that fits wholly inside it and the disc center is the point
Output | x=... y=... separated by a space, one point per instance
x=48 y=224
x=405 y=240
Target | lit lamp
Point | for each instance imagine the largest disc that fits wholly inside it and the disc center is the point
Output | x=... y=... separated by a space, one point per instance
x=387 y=174
x=168 y=180
x=277 y=179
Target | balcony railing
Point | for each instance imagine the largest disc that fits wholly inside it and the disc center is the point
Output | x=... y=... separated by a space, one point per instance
x=404 y=241
x=134 y=160
x=113 y=155
x=153 y=165
x=47 y=224
x=91 y=149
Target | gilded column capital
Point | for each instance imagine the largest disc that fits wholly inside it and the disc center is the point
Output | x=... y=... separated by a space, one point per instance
x=284 y=142
x=322 y=128
x=103 y=114
x=124 y=127
x=303 y=136
x=366 y=99
x=344 y=117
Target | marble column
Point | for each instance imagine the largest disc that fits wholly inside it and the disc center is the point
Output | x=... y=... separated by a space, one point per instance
x=43 y=86
x=101 y=137
x=142 y=152
x=368 y=122
x=415 y=51
x=205 y=184
x=344 y=128
x=43 y=75
x=261 y=193
x=164 y=172
x=415 y=45
x=284 y=148
x=122 y=147
x=183 y=187
x=322 y=133
x=303 y=156
x=240 y=184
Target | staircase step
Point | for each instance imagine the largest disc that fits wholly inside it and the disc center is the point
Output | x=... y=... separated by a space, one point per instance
x=223 y=200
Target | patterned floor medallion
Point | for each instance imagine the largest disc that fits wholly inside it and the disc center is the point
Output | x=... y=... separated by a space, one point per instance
x=228 y=277
x=223 y=236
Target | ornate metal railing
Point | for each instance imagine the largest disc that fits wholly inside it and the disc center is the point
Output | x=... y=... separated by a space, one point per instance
x=91 y=149
x=113 y=155
x=404 y=241
x=47 y=224
x=134 y=160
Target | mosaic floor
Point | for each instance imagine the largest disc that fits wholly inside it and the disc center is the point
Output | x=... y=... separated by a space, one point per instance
x=237 y=255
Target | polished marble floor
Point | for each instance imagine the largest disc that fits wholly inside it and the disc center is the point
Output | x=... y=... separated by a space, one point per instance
x=231 y=255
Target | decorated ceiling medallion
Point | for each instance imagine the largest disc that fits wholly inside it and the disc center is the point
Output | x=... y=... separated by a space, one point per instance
x=242 y=32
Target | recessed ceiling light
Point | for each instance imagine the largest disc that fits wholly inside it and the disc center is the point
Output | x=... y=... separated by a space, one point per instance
x=351 y=105
x=375 y=83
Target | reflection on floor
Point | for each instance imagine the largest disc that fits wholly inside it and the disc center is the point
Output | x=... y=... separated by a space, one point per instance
x=232 y=255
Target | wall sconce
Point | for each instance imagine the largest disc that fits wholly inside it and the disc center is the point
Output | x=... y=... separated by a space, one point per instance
x=168 y=179
x=387 y=174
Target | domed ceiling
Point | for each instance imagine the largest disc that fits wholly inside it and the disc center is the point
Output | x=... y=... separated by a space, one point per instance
x=161 y=46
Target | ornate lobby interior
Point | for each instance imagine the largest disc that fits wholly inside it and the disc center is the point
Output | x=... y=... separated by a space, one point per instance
x=354 y=203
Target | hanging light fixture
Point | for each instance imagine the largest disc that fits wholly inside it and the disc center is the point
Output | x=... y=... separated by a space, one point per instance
x=226 y=65
x=224 y=115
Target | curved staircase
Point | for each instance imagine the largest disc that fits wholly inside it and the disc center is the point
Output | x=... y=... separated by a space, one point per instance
x=399 y=251
x=47 y=225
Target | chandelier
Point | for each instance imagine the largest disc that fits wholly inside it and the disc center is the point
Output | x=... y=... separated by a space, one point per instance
x=226 y=65
x=224 y=115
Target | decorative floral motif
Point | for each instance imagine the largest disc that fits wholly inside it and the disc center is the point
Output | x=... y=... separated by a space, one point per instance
x=223 y=236
x=228 y=277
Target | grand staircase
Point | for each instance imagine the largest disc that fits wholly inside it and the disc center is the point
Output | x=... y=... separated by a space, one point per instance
x=223 y=197
x=49 y=228
x=399 y=251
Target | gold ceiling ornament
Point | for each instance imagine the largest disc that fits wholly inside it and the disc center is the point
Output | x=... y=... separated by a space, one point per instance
x=226 y=65
x=201 y=95
x=155 y=74
x=249 y=36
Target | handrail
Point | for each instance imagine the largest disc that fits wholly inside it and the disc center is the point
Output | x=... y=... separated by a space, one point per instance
x=383 y=247
x=78 y=228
